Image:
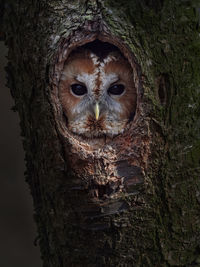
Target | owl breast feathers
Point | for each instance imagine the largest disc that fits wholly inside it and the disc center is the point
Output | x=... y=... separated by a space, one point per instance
x=97 y=95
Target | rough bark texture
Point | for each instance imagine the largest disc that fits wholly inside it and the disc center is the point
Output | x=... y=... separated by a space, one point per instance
x=153 y=217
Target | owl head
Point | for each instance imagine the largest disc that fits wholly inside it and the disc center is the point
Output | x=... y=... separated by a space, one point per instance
x=97 y=93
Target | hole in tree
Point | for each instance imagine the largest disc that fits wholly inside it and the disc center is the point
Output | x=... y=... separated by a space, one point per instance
x=162 y=88
x=96 y=122
x=101 y=49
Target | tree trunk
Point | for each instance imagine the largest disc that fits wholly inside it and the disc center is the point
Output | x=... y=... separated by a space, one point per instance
x=132 y=200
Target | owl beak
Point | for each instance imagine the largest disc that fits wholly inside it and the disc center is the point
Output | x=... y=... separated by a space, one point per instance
x=96 y=111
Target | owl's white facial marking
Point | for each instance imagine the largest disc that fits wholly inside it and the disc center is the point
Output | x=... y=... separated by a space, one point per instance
x=109 y=83
x=100 y=78
x=107 y=79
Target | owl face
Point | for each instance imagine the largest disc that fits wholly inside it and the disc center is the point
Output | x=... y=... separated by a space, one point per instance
x=98 y=96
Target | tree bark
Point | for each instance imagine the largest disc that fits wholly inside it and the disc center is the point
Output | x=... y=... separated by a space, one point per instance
x=133 y=200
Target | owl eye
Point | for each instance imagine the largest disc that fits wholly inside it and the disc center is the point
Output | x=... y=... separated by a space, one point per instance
x=78 y=89
x=116 y=89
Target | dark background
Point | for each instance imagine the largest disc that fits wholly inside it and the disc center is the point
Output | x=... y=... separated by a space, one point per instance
x=17 y=227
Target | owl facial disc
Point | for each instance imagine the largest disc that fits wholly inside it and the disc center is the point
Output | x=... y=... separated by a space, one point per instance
x=97 y=94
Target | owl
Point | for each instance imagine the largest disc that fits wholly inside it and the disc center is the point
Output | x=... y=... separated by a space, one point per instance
x=97 y=93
